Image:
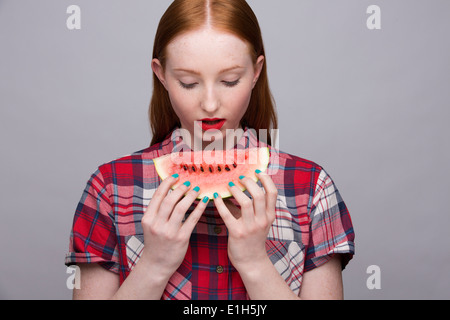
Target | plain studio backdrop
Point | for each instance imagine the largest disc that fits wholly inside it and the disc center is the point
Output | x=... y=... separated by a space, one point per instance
x=370 y=105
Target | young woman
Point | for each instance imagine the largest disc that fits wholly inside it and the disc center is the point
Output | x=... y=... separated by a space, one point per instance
x=287 y=237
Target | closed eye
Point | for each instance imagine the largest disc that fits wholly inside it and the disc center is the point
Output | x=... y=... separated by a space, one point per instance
x=190 y=86
x=187 y=86
x=232 y=83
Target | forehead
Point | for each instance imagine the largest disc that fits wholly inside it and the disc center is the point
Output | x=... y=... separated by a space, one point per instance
x=207 y=49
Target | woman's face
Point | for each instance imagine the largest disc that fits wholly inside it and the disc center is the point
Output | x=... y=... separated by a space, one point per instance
x=209 y=76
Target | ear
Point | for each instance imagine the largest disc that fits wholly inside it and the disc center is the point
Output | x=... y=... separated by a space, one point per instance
x=159 y=71
x=258 y=68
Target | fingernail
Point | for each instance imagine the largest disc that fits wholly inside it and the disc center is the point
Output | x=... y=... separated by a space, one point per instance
x=176 y=175
x=258 y=171
x=216 y=195
x=197 y=189
x=205 y=199
x=241 y=177
x=231 y=184
x=187 y=183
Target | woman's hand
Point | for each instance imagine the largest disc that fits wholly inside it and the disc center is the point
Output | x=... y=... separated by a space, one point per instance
x=249 y=226
x=166 y=236
x=247 y=232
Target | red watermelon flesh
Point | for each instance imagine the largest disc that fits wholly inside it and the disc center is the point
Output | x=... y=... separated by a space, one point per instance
x=212 y=170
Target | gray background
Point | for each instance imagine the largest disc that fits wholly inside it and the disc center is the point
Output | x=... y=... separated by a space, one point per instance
x=371 y=106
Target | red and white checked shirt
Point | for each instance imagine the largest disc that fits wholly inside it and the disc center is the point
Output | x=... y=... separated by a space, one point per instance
x=312 y=223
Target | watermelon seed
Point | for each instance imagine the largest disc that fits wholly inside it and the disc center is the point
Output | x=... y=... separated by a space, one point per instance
x=210 y=168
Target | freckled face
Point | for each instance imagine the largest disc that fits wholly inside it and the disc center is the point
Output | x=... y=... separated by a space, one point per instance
x=209 y=76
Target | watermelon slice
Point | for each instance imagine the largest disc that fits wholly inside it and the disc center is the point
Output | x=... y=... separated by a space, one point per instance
x=212 y=170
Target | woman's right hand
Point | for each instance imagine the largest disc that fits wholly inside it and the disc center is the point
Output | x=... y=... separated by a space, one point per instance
x=166 y=236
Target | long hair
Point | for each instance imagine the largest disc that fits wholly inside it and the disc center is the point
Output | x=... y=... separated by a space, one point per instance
x=232 y=16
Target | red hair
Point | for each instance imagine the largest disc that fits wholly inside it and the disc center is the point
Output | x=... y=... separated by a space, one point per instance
x=232 y=16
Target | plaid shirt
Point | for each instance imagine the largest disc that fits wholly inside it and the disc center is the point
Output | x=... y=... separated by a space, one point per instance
x=312 y=223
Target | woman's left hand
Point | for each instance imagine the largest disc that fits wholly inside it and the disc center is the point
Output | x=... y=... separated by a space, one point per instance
x=248 y=227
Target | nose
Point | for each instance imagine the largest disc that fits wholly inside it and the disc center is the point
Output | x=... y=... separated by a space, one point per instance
x=210 y=101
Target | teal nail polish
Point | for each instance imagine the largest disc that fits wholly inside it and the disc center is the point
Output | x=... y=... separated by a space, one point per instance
x=187 y=183
x=197 y=189
x=216 y=195
x=231 y=184
x=258 y=171
x=241 y=177
x=205 y=199
x=176 y=175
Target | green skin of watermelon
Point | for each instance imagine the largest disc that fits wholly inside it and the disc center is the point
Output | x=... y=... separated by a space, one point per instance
x=212 y=171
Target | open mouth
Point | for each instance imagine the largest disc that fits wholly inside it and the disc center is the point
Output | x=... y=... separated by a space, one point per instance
x=208 y=124
x=212 y=122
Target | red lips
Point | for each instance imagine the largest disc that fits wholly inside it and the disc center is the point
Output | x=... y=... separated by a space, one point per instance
x=215 y=123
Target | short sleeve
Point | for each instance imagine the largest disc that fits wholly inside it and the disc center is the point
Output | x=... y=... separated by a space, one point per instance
x=93 y=238
x=331 y=229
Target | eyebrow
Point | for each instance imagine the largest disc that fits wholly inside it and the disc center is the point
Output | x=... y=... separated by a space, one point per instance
x=198 y=73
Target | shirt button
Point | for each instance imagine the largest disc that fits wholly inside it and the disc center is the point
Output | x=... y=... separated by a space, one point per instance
x=217 y=230
x=219 y=269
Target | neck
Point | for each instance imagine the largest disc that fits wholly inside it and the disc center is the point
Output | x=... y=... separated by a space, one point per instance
x=215 y=140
